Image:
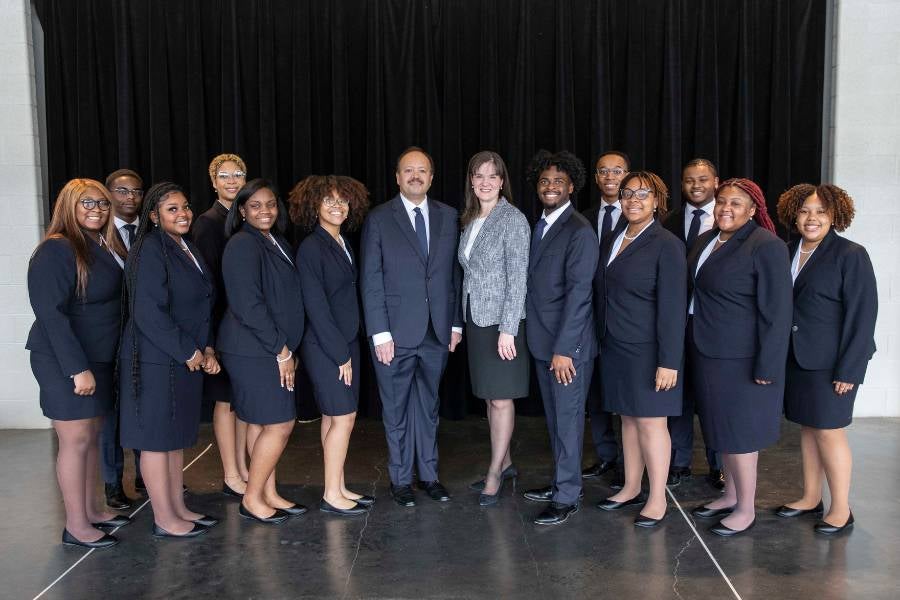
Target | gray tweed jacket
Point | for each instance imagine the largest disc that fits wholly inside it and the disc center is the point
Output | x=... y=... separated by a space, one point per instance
x=495 y=274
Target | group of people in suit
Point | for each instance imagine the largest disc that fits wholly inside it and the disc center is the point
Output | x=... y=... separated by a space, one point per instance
x=139 y=305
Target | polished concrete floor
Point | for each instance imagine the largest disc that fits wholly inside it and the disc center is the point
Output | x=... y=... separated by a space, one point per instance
x=456 y=549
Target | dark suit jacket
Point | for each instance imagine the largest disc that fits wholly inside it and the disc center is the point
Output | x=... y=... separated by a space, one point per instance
x=401 y=288
x=558 y=304
x=641 y=296
x=835 y=305
x=742 y=299
x=265 y=304
x=328 y=280
x=173 y=301
x=594 y=214
x=77 y=331
x=208 y=234
x=674 y=223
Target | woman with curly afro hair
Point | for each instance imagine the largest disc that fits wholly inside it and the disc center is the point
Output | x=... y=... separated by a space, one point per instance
x=832 y=340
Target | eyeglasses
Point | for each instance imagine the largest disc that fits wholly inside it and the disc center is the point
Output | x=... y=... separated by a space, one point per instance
x=91 y=204
x=332 y=202
x=640 y=193
x=604 y=172
x=560 y=181
x=224 y=175
x=124 y=191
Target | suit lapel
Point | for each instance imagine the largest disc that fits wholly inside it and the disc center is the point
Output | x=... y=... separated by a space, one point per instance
x=335 y=248
x=825 y=246
x=731 y=245
x=402 y=219
x=435 y=222
x=488 y=224
x=176 y=249
x=634 y=246
x=554 y=231
x=268 y=245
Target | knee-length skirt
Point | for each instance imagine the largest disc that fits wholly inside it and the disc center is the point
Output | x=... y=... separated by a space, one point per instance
x=810 y=399
x=57 y=390
x=256 y=393
x=628 y=381
x=492 y=377
x=333 y=396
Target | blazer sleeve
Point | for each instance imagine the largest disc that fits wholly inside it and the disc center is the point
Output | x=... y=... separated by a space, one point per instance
x=671 y=305
x=242 y=266
x=581 y=260
x=318 y=311
x=51 y=286
x=860 y=297
x=516 y=247
x=372 y=275
x=151 y=306
x=774 y=306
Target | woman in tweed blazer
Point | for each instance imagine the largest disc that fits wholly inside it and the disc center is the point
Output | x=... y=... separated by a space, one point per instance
x=493 y=252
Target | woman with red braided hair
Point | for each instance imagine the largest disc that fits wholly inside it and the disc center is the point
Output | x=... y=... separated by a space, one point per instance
x=739 y=317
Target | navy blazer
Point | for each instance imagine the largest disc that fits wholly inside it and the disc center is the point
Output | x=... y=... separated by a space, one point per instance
x=328 y=279
x=402 y=289
x=208 y=234
x=674 y=223
x=173 y=301
x=641 y=297
x=593 y=215
x=265 y=303
x=835 y=306
x=558 y=303
x=742 y=299
x=77 y=331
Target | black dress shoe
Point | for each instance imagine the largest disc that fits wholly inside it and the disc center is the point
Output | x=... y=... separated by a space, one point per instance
x=435 y=490
x=826 y=528
x=295 y=510
x=366 y=500
x=555 y=514
x=677 y=475
x=598 y=469
x=105 y=542
x=197 y=530
x=115 y=497
x=648 y=522
x=544 y=494
x=279 y=516
x=725 y=531
x=206 y=521
x=716 y=479
x=117 y=521
x=403 y=495
x=787 y=512
x=510 y=472
x=229 y=491
x=613 y=505
x=701 y=512
x=355 y=510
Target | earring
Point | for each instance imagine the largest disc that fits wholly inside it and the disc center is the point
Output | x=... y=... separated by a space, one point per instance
x=156 y=224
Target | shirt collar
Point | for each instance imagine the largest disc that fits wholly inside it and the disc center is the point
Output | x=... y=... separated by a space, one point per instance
x=603 y=204
x=120 y=223
x=707 y=208
x=409 y=205
x=549 y=219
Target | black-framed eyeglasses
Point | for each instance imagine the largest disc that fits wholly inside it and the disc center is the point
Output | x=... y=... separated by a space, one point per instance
x=640 y=193
x=124 y=191
x=332 y=202
x=604 y=172
x=91 y=204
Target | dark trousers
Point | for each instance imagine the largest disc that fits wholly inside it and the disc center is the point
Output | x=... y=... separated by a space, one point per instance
x=607 y=446
x=564 y=409
x=408 y=388
x=112 y=457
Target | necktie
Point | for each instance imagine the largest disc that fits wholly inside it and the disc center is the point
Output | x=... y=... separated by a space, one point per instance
x=537 y=235
x=606 y=227
x=694 y=229
x=131 y=228
x=420 y=231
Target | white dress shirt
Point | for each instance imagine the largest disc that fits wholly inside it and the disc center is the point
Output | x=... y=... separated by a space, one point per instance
x=620 y=239
x=553 y=216
x=473 y=233
x=706 y=221
x=123 y=233
x=795 y=262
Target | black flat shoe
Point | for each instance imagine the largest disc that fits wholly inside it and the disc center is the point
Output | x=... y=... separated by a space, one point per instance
x=118 y=521
x=365 y=500
x=162 y=533
x=115 y=497
x=826 y=528
x=403 y=495
x=435 y=490
x=556 y=514
x=206 y=521
x=598 y=469
x=510 y=472
x=613 y=505
x=279 y=516
x=644 y=521
x=726 y=531
x=295 y=510
x=787 y=512
x=105 y=542
x=229 y=491
x=355 y=510
x=701 y=512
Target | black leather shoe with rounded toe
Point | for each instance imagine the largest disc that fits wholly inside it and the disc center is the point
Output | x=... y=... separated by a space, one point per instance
x=826 y=528
x=162 y=533
x=105 y=542
x=355 y=510
x=279 y=516
x=787 y=512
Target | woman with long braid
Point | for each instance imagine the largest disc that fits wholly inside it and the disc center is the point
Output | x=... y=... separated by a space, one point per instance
x=166 y=347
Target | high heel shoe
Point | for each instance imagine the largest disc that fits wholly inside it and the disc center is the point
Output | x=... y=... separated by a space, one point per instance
x=105 y=542
x=826 y=528
x=117 y=521
x=510 y=472
x=490 y=499
x=198 y=529
x=279 y=516
x=788 y=512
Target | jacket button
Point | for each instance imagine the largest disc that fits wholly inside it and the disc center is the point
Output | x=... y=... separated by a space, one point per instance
x=794 y=328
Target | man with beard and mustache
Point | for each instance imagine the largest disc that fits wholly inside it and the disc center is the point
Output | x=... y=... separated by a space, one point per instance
x=699 y=181
x=560 y=324
x=410 y=291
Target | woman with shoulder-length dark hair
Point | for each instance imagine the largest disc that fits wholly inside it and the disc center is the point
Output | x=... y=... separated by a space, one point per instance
x=493 y=252
x=260 y=332
x=640 y=301
x=166 y=347
x=738 y=329
x=75 y=289
x=330 y=349
x=832 y=340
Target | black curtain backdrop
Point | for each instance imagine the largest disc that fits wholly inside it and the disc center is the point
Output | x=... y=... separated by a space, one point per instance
x=299 y=87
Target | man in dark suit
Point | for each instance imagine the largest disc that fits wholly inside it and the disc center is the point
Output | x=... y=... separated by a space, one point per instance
x=699 y=181
x=607 y=221
x=560 y=323
x=410 y=293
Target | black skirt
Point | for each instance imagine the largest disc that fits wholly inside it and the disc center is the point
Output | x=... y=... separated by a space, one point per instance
x=810 y=400
x=492 y=377
x=333 y=396
x=257 y=396
x=57 y=390
x=628 y=381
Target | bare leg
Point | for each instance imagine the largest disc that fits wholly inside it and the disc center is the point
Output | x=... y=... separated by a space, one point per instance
x=74 y=439
x=157 y=477
x=812 y=470
x=729 y=494
x=241 y=448
x=267 y=444
x=634 y=461
x=335 y=450
x=92 y=500
x=838 y=463
x=656 y=449
x=502 y=422
x=224 y=428
x=742 y=468
x=176 y=479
